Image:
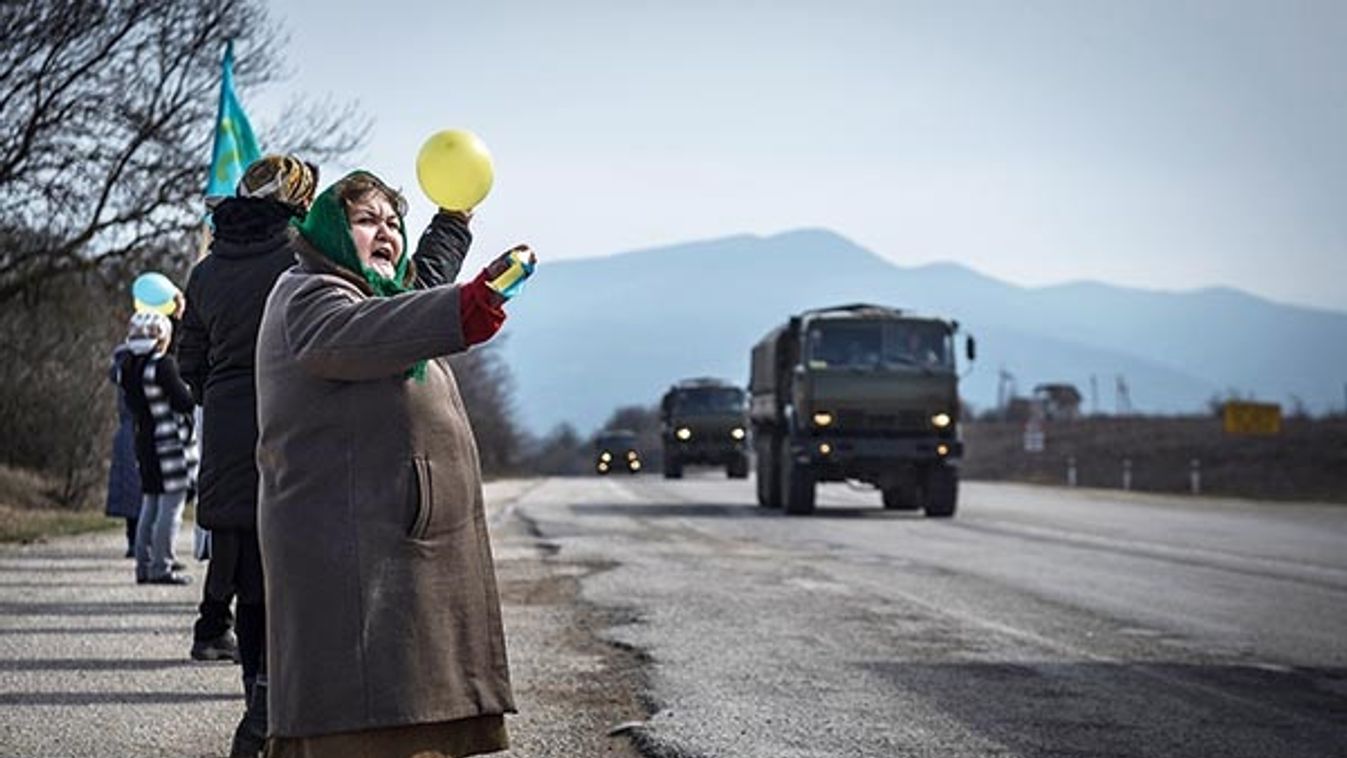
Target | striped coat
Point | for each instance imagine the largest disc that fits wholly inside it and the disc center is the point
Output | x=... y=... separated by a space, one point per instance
x=161 y=406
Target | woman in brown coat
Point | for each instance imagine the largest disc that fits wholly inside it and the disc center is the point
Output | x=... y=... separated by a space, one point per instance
x=384 y=631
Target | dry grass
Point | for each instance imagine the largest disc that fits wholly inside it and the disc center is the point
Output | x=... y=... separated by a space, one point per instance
x=1308 y=461
x=29 y=513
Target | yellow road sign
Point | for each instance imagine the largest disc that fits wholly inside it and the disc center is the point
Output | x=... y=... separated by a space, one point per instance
x=1253 y=418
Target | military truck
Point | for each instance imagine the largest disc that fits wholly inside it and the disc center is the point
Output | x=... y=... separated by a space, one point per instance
x=704 y=421
x=858 y=392
x=615 y=450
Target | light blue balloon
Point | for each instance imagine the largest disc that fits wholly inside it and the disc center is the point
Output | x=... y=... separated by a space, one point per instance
x=153 y=289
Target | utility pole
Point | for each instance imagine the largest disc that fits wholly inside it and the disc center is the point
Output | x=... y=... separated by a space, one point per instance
x=1123 y=399
x=1005 y=391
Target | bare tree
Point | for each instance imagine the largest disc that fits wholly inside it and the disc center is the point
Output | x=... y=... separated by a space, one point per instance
x=561 y=452
x=107 y=111
x=55 y=397
x=486 y=385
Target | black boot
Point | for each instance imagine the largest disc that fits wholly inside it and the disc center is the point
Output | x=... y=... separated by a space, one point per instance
x=251 y=735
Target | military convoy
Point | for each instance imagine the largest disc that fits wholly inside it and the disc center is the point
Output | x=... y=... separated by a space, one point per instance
x=704 y=421
x=858 y=392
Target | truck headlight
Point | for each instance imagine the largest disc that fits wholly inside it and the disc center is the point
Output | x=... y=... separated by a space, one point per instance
x=823 y=418
x=607 y=456
x=737 y=432
x=631 y=455
x=683 y=433
x=941 y=420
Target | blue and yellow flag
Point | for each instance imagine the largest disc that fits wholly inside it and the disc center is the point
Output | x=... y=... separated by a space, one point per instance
x=235 y=145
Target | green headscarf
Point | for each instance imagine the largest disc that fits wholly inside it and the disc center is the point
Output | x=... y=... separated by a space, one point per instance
x=329 y=231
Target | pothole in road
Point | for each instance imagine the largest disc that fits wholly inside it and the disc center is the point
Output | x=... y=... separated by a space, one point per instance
x=577 y=694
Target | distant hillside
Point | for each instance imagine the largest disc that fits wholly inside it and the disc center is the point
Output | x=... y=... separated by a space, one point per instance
x=590 y=335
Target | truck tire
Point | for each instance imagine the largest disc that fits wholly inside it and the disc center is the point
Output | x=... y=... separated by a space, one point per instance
x=737 y=468
x=769 y=478
x=902 y=498
x=673 y=468
x=797 y=484
x=941 y=491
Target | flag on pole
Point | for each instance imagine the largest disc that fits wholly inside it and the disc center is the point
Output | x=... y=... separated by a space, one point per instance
x=235 y=146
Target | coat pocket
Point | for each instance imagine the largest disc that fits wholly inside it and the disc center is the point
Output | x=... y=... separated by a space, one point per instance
x=425 y=502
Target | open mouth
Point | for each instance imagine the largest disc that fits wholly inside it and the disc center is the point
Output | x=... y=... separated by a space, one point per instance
x=381 y=260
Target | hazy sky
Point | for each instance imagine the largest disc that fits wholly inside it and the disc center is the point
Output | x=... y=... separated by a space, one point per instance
x=1167 y=145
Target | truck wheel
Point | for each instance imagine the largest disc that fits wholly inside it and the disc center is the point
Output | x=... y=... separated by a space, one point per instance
x=901 y=498
x=797 y=484
x=769 y=478
x=941 y=491
x=673 y=468
x=737 y=468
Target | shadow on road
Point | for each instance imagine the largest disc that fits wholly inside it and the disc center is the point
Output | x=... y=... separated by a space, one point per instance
x=113 y=698
x=86 y=630
x=1124 y=709
x=128 y=581
x=126 y=608
x=734 y=511
x=58 y=564
x=96 y=664
x=19 y=561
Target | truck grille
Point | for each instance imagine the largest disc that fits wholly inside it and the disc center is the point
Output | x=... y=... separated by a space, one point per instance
x=865 y=421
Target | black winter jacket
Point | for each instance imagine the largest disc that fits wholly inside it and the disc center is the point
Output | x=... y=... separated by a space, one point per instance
x=161 y=408
x=226 y=293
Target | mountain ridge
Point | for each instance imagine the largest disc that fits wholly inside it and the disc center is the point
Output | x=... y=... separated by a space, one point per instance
x=594 y=333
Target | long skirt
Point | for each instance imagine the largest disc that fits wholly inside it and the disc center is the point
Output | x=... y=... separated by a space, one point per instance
x=445 y=739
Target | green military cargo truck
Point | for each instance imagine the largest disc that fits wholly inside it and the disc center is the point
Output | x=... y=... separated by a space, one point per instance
x=704 y=421
x=858 y=392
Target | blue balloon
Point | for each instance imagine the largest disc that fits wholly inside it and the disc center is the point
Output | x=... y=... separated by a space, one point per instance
x=154 y=292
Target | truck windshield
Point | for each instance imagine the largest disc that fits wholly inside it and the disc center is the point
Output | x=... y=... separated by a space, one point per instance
x=615 y=442
x=709 y=400
x=870 y=344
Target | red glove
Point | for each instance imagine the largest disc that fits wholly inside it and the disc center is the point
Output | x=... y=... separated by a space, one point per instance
x=479 y=310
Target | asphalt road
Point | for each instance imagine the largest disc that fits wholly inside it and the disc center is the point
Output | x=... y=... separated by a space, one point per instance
x=1038 y=622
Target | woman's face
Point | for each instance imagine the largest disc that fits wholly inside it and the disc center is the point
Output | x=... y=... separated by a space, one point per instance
x=374 y=227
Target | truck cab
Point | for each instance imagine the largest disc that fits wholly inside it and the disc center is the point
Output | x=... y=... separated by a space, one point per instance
x=858 y=392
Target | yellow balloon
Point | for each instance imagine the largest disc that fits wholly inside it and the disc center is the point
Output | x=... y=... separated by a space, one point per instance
x=454 y=169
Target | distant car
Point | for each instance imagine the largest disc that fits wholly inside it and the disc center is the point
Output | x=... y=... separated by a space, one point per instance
x=615 y=450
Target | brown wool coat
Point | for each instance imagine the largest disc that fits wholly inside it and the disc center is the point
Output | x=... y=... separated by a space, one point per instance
x=382 y=607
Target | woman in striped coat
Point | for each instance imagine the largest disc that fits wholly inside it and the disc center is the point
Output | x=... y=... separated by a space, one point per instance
x=161 y=405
